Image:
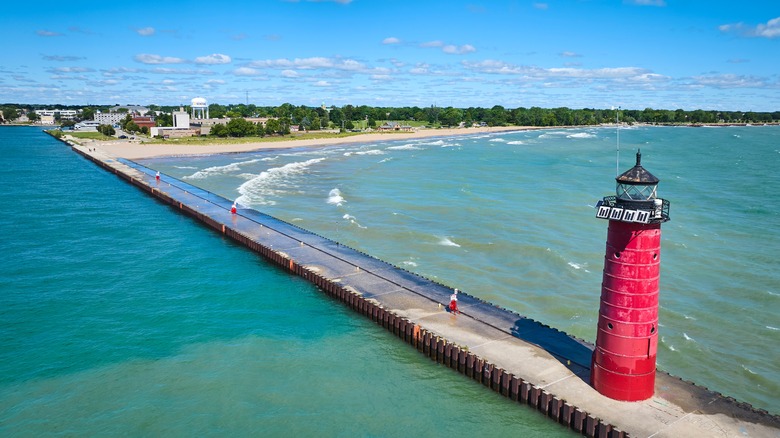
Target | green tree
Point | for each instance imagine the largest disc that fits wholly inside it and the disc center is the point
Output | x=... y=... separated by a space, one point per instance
x=164 y=119
x=106 y=130
x=219 y=130
x=131 y=126
x=33 y=116
x=240 y=127
x=88 y=114
x=273 y=126
x=9 y=113
x=451 y=116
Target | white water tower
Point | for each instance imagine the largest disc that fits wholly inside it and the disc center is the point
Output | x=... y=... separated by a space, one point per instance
x=200 y=108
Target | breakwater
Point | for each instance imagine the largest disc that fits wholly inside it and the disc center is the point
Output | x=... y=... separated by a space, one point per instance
x=522 y=359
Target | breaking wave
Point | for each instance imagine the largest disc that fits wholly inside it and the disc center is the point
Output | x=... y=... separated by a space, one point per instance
x=219 y=170
x=258 y=189
x=582 y=135
x=335 y=198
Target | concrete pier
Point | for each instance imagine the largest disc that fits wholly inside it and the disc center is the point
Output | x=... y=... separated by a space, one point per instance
x=528 y=362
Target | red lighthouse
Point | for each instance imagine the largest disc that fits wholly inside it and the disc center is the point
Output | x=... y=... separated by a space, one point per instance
x=623 y=365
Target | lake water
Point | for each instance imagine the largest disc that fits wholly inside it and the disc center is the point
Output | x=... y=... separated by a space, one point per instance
x=120 y=315
x=509 y=217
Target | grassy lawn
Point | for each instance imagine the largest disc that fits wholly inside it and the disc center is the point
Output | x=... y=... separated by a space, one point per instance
x=89 y=135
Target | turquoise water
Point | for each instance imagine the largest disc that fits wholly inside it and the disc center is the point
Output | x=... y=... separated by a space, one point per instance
x=119 y=316
x=509 y=217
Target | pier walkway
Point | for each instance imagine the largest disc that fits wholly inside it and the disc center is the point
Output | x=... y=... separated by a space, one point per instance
x=522 y=359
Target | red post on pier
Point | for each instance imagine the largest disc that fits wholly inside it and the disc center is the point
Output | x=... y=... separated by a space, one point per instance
x=623 y=364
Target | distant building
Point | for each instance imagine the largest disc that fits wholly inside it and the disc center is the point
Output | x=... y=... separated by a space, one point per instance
x=181 y=120
x=394 y=126
x=62 y=114
x=46 y=120
x=86 y=126
x=140 y=110
x=144 y=121
x=109 y=118
x=181 y=127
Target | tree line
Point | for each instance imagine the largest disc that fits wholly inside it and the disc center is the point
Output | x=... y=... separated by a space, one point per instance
x=350 y=117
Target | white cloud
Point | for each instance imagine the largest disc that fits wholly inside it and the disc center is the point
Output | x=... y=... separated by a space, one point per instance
x=391 y=40
x=458 y=50
x=215 y=81
x=322 y=84
x=542 y=6
x=47 y=33
x=290 y=74
x=570 y=54
x=432 y=44
x=173 y=71
x=491 y=66
x=145 y=31
x=157 y=59
x=213 y=59
x=728 y=81
x=247 y=71
x=769 y=30
x=73 y=69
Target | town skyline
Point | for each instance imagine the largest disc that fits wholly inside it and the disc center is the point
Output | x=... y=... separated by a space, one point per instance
x=584 y=54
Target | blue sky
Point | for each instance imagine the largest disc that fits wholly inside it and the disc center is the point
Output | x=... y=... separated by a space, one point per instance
x=670 y=54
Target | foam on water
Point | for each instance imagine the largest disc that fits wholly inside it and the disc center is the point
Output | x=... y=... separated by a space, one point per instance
x=259 y=189
x=335 y=197
x=526 y=216
x=582 y=135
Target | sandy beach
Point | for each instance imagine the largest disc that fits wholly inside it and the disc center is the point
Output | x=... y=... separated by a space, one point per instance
x=136 y=150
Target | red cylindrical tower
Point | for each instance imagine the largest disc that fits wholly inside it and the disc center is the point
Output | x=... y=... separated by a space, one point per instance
x=623 y=365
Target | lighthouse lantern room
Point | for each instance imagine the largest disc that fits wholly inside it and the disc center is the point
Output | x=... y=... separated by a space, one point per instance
x=623 y=364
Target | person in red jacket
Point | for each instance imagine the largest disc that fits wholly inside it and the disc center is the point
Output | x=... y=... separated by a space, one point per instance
x=454 y=302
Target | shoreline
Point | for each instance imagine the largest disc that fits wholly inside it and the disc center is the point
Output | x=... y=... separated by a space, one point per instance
x=138 y=150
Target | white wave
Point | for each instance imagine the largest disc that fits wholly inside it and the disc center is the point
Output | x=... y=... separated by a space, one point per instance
x=581 y=135
x=773 y=293
x=185 y=167
x=671 y=347
x=498 y=140
x=410 y=263
x=772 y=328
x=432 y=143
x=516 y=142
x=405 y=147
x=689 y=317
x=552 y=134
x=258 y=189
x=688 y=338
x=575 y=265
x=335 y=198
x=368 y=152
x=748 y=370
x=445 y=241
x=219 y=170
x=353 y=220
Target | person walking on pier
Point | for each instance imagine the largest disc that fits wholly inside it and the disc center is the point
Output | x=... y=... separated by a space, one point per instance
x=454 y=302
x=157 y=177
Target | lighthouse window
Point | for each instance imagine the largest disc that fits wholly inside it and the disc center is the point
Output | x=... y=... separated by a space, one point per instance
x=609 y=324
x=652 y=329
x=617 y=255
x=655 y=256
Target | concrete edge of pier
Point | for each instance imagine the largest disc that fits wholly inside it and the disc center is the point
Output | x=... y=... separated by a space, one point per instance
x=526 y=361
